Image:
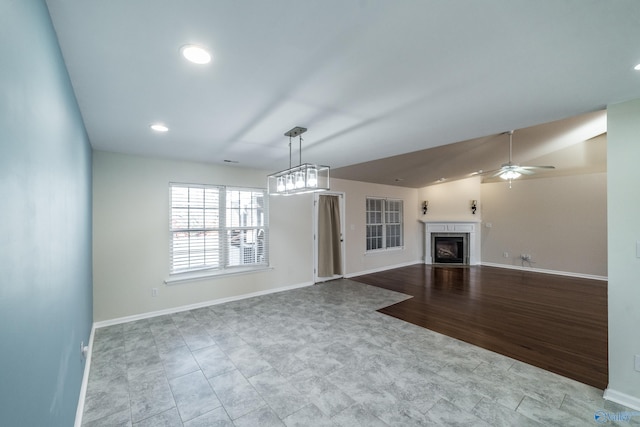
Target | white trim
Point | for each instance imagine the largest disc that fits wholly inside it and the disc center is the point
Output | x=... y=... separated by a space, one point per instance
x=188 y=307
x=379 y=269
x=208 y=274
x=624 y=399
x=541 y=270
x=85 y=380
x=375 y=252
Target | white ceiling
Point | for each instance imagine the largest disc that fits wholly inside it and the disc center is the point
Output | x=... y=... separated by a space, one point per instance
x=370 y=79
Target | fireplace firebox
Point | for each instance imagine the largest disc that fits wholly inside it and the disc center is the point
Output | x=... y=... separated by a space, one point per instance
x=450 y=248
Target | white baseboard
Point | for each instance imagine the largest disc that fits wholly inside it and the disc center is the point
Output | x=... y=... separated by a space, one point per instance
x=379 y=269
x=188 y=307
x=623 y=399
x=541 y=270
x=85 y=380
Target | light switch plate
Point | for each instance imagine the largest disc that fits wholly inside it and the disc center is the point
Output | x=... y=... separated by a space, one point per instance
x=637 y=368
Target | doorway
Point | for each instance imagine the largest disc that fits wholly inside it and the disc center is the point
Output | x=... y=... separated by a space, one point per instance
x=328 y=236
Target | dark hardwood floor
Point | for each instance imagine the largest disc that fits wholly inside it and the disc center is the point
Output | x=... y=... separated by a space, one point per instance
x=554 y=322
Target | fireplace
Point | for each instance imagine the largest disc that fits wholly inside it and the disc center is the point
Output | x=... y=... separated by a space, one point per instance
x=460 y=243
x=450 y=248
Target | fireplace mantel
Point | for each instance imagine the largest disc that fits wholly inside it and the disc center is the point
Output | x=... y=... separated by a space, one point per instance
x=472 y=228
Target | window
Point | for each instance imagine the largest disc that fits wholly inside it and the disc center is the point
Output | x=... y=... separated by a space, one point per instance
x=384 y=224
x=217 y=227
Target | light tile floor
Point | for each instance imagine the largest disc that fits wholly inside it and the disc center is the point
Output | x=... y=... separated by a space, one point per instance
x=318 y=356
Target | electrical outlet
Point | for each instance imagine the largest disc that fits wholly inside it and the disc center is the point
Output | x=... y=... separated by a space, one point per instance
x=637 y=367
x=154 y=292
x=505 y=254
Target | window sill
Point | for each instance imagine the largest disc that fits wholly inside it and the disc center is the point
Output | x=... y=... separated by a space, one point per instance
x=210 y=274
x=383 y=251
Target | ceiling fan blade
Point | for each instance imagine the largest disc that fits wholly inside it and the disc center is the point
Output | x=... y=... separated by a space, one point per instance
x=524 y=171
x=537 y=167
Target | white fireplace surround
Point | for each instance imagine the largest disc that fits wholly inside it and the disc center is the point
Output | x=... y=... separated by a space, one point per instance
x=452 y=227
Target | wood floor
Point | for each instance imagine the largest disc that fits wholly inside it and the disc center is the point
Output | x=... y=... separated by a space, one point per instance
x=554 y=322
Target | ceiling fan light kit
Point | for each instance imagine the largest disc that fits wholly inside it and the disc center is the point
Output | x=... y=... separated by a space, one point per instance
x=304 y=178
x=510 y=174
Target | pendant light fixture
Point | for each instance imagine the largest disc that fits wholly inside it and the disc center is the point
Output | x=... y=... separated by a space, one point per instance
x=304 y=178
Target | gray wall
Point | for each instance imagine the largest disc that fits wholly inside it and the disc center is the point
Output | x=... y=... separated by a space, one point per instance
x=623 y=153
x=561 y=222
x=45 y=226
x=358 y=261
x=131 y=236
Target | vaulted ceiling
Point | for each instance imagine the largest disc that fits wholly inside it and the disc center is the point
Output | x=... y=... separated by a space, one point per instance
x=370 y=79
x=576 y=145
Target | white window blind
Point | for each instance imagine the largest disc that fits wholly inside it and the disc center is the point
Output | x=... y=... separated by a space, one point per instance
x=246 y=230
x=216 y=227
x=384 y=223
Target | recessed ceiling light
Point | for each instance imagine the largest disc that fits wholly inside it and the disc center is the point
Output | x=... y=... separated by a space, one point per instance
x=637 y=67
x=159 y=127
x=196 y=54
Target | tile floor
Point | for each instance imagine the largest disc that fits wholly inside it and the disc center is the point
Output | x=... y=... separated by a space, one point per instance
x=318 y=356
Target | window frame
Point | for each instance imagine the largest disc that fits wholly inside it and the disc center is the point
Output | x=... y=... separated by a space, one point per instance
x=226 y=256
x=380 y=218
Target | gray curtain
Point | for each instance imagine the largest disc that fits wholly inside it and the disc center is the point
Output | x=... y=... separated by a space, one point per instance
x=329 y=246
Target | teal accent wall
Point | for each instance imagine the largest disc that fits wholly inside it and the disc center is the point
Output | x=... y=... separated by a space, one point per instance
x=45 y=224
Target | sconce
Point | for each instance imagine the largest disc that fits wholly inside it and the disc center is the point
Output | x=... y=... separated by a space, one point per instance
x=425 y=205
x=474 y=206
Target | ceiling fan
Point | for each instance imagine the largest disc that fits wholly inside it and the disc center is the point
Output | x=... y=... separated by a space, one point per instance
x=510 y=171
